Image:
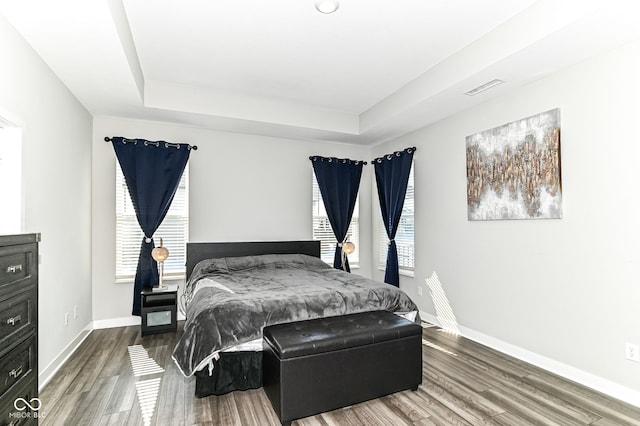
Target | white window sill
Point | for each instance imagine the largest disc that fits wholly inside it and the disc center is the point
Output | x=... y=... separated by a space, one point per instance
x=405 y=272
x=173 y=279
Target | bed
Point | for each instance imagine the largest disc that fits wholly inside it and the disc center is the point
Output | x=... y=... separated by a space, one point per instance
x=235 y=289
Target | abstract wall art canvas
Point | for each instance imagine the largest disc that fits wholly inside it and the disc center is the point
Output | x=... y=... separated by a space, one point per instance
x=513 y=171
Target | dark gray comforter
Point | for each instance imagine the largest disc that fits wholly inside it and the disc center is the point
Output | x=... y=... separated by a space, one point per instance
x=243 y=294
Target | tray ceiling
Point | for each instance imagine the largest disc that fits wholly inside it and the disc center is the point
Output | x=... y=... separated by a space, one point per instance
x=370 y=72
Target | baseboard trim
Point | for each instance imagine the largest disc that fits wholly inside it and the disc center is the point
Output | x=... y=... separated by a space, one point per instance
x=123 y=322
x=116 y=322
x=50 y=370
x=592 y=381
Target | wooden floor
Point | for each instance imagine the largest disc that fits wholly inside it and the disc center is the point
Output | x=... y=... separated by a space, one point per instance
x=463 y=384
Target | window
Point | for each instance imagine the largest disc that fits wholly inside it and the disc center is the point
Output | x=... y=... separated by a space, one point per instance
x=404 y=235
x=322 y=229
x=174 y=231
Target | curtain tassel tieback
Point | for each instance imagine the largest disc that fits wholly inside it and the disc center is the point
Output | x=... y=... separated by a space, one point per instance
x=391 y=242
x=343 y=254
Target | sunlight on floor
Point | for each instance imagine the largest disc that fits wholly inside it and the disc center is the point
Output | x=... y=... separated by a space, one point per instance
x=142 y=363
x=444 y=312
x=440 y=348
x=147 y=390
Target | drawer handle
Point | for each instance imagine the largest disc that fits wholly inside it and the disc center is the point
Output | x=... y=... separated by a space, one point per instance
x=13 y=321
x=16 y=372
x=14 y=269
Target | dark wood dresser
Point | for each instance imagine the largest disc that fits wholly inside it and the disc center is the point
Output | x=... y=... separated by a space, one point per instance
x=19 y=403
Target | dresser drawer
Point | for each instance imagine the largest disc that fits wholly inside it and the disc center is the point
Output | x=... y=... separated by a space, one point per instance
x=17 y=365
x=17 y=317
x=17 y=264
x=25 y=399
x=19 y=404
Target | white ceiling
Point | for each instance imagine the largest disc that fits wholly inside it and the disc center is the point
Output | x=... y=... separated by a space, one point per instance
x=372 y=71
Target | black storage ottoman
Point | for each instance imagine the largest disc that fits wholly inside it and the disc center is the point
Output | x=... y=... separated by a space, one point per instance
x=319 y=365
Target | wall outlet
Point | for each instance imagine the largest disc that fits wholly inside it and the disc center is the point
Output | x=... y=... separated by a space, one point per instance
x=75 y=312
x=66 y=319
x=419 y=291
x=632 y=352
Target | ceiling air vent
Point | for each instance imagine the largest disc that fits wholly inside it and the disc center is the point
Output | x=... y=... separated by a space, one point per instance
x=484 y=87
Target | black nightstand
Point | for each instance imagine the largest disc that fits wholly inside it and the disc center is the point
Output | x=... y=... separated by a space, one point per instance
x=159 y=313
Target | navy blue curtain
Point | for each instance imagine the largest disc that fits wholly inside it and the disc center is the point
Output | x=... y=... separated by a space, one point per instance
x=338 y=180
x=152 y=171
x=392 y=175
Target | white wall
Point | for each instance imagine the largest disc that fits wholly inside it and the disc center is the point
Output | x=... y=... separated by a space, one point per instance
x=56 y=160
x=242 y=188
x=566 y=290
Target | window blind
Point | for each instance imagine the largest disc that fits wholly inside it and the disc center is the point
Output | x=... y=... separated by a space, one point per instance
x=174 y=231
x=322 y=229
x=404 y=235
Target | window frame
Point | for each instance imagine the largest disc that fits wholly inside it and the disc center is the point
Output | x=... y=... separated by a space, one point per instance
x=328 y=244
x=401 y=242
x=174 y=233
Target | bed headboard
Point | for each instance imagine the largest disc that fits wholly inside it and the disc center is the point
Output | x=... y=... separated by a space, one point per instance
x=201 y=251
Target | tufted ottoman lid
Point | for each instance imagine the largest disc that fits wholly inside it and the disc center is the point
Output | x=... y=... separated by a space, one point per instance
x=291 y=340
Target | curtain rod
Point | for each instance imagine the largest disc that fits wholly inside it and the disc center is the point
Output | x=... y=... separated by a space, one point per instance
x=330 y=159
x=396 y=153
x=157 y=143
